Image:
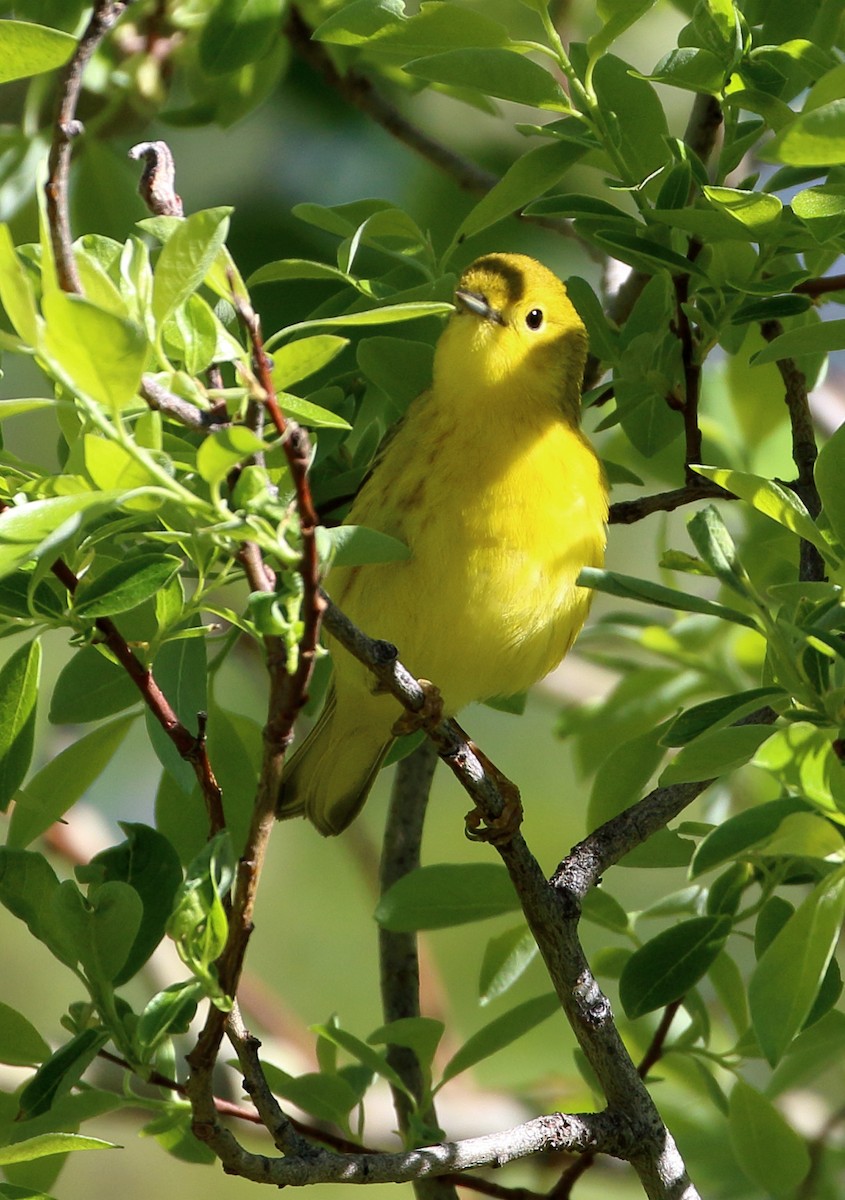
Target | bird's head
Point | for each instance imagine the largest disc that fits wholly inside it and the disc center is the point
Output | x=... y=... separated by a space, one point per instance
x=514 y=326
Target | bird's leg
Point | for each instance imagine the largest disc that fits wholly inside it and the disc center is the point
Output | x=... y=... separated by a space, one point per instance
x=430 y=714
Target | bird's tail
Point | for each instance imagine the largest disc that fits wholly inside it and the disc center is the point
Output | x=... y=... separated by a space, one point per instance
x=330 y=775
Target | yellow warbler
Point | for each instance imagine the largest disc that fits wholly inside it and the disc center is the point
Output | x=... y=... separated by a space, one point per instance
x=501 y=500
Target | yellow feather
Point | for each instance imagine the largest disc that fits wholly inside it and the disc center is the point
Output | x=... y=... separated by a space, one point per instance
x=501 y=500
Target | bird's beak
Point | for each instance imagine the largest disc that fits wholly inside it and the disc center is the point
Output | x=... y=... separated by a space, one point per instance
x=479 y=305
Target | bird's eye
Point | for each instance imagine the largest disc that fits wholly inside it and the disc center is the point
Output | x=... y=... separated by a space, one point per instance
x=535 y=318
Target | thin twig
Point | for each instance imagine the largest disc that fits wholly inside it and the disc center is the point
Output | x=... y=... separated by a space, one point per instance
x=821 y=286
x=191 y=747
x=170 y=405
x=627 y=512
x=65 y=128
x=692 y=368
x=804 y=450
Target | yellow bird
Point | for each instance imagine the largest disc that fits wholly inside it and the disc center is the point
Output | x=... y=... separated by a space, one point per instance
x=501 y=500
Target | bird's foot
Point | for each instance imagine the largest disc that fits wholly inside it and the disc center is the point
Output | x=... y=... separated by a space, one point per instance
x=498 y=831
x=430 y=714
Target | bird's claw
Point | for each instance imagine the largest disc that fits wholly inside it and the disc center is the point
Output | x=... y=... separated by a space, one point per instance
x=498 y=831
x=431 y=712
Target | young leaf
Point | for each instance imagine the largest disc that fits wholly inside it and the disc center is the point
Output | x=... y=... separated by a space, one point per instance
x=99 y=930
x=93 y=351
x=19 y=678
x=363 y=1052
x=788 y=976
x=327 y=1097
x=500 y=1033
x=297 y=360
x=670 y=964
x=816 y=138
x=715 y=545
x=237 y=33
x=187 y=257
x=168 y=1013
x=446 y=894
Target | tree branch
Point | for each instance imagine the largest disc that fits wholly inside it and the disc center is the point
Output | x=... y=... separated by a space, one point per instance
x=626 y=512
x=65 y=128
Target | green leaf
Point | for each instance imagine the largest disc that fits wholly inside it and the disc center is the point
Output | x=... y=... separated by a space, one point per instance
x=617 y=16
x=90 y=687
x=816 y=138
x=645 y=254
x=60 y=1072
x=362 y=1052
x=297 y=360
x=297 y=268
x=180 y=671
x=312 y=415
x=29 y=49
x=714 y=754
x=602 y=909
x=38 y=527
x=168 y=1013
x=692 y=69
x=435 y=28
x=769 y=1151
x=186 y=258
x=355 y=545
x=733 y=837
x=125 y=585
x=359 y=21
x=92 y=351
x=670 y=964
x=19 y=678
x=21 y=1044
x=446 y=894
x=224 y=449
x=148 y=863
x=525 y=179
x=16 y=291
x=623 y=775
x=28 y=885
x=769 y=498
x=787 y=978
x=99 y=930
x=63 y=780
x=237 y=33
x=500 y=1033
x=813 y=1051
x=386 y=315
x=757 y=211
x=630 y=588
x=420 y=1034
x=823 y=338
x=50 y=1143
x=327 y=1097
x=696 y=720
x=801 y=757
x=494 y=72
x=506 y=958
x=829 y=469
x=716 y=546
